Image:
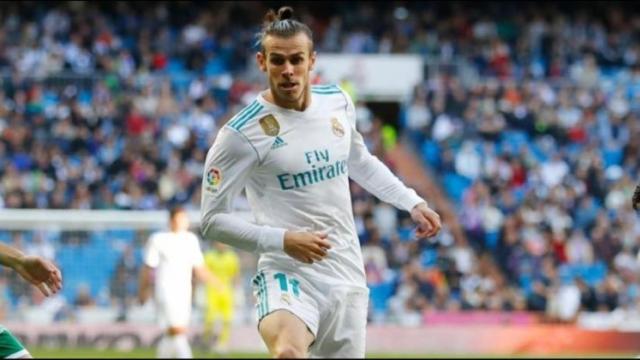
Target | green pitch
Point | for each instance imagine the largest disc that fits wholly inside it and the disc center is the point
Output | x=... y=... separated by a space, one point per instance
x=147 y=353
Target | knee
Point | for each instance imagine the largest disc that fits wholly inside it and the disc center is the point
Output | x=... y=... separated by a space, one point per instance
x=289 y=352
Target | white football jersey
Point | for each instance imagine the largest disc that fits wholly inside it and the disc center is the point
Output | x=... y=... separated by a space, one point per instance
x=295 y=166
x=173 y=255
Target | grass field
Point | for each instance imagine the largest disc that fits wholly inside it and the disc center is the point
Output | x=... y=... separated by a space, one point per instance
x=143 y=353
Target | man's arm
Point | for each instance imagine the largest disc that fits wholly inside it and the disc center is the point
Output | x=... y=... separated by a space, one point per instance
x=202 y=273
x=144 y=284
x=150 y=259
x=37 y=271
x=228 y=166
x=375 y=177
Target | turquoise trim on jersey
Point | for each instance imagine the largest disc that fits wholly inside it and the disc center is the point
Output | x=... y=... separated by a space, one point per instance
x=258 y=294
x=266 y=296
x=240 y=123
x=243 y=114
x=326 y=92
x=325 y=89
x=263 y=302
x=327 y=86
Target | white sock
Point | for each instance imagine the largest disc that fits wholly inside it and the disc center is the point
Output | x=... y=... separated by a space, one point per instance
x=181 y=346
x=165 y=348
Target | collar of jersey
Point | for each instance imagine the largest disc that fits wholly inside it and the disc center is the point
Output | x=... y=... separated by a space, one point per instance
x=280 y=109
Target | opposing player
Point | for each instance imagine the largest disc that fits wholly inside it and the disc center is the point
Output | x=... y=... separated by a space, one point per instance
x=175 y=255
x=294 y=149
x=37 y=271
x=224 y=264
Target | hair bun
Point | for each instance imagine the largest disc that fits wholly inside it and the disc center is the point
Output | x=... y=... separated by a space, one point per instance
x=285 y=13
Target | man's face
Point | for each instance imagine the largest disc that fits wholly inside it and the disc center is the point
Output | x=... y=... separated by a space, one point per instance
x=180 y=221
x=287 y=62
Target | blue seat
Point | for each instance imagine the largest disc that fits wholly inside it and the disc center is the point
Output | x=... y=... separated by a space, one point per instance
x=379 y=295
x=428 y=257
x=455 y=185
x=612 y=157
x=431 y=153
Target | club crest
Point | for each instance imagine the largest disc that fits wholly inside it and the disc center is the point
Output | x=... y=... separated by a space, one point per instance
x=270 y=125
x=337 y=128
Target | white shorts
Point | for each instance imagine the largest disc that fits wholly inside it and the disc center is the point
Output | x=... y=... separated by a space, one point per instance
x=174 y=311
x=335 y=315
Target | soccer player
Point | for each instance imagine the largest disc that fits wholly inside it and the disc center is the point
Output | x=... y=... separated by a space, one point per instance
x=223 y=263
x=175 y=255
x=635 y=200
x=37 y=271
x=293 y=150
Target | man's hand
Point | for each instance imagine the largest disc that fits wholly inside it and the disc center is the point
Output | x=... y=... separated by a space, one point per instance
x=203 y=274
x=635 y=200
x=428 y=221
x=305 y=246
x=40 y=273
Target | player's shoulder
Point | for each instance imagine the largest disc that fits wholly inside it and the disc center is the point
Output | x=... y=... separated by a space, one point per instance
x=246 y=118
x=192 y=235
x=330 y=93
x=326 y=89
x=155 y=238
x=256 y=125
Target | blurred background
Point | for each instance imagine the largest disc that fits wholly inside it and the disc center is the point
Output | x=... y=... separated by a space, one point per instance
x=519 y=123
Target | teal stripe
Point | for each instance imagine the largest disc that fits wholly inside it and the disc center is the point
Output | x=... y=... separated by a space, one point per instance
x=323 y=87
x=326 y=92
x=256 y=282
x=266 y=297
x=242 y=113
x=248 y=117
x=262 y=296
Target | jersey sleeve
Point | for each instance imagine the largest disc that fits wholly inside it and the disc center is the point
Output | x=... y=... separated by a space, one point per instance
x=227 y=168
x=151 y=255
x=370 y=173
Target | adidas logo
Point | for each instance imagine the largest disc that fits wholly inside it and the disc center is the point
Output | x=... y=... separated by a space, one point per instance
x=278 y=143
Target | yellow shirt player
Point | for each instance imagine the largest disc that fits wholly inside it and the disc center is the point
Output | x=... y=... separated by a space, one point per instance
x=223 y=262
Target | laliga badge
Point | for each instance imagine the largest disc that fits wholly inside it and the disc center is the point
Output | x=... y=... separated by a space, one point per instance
x=270 y=125
x=337 y=128
x=214 y=178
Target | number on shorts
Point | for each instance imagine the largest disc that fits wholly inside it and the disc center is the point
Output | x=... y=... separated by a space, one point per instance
x=284 y=284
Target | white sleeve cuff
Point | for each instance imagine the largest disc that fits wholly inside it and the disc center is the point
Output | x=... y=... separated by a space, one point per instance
x=271 y=239
x=409 y=200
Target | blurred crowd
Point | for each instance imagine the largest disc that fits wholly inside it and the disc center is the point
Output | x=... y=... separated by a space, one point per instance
x=114 y=105
x=542 y=177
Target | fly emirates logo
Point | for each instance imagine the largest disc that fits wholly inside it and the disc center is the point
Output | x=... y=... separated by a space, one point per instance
x=321 y=168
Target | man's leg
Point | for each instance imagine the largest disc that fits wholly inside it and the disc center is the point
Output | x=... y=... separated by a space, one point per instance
x=209 y=322
x=342 y=334
x=285 y=335
x=179 y=342
x=288 y=312
x=226 y=317
x=175 y=313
